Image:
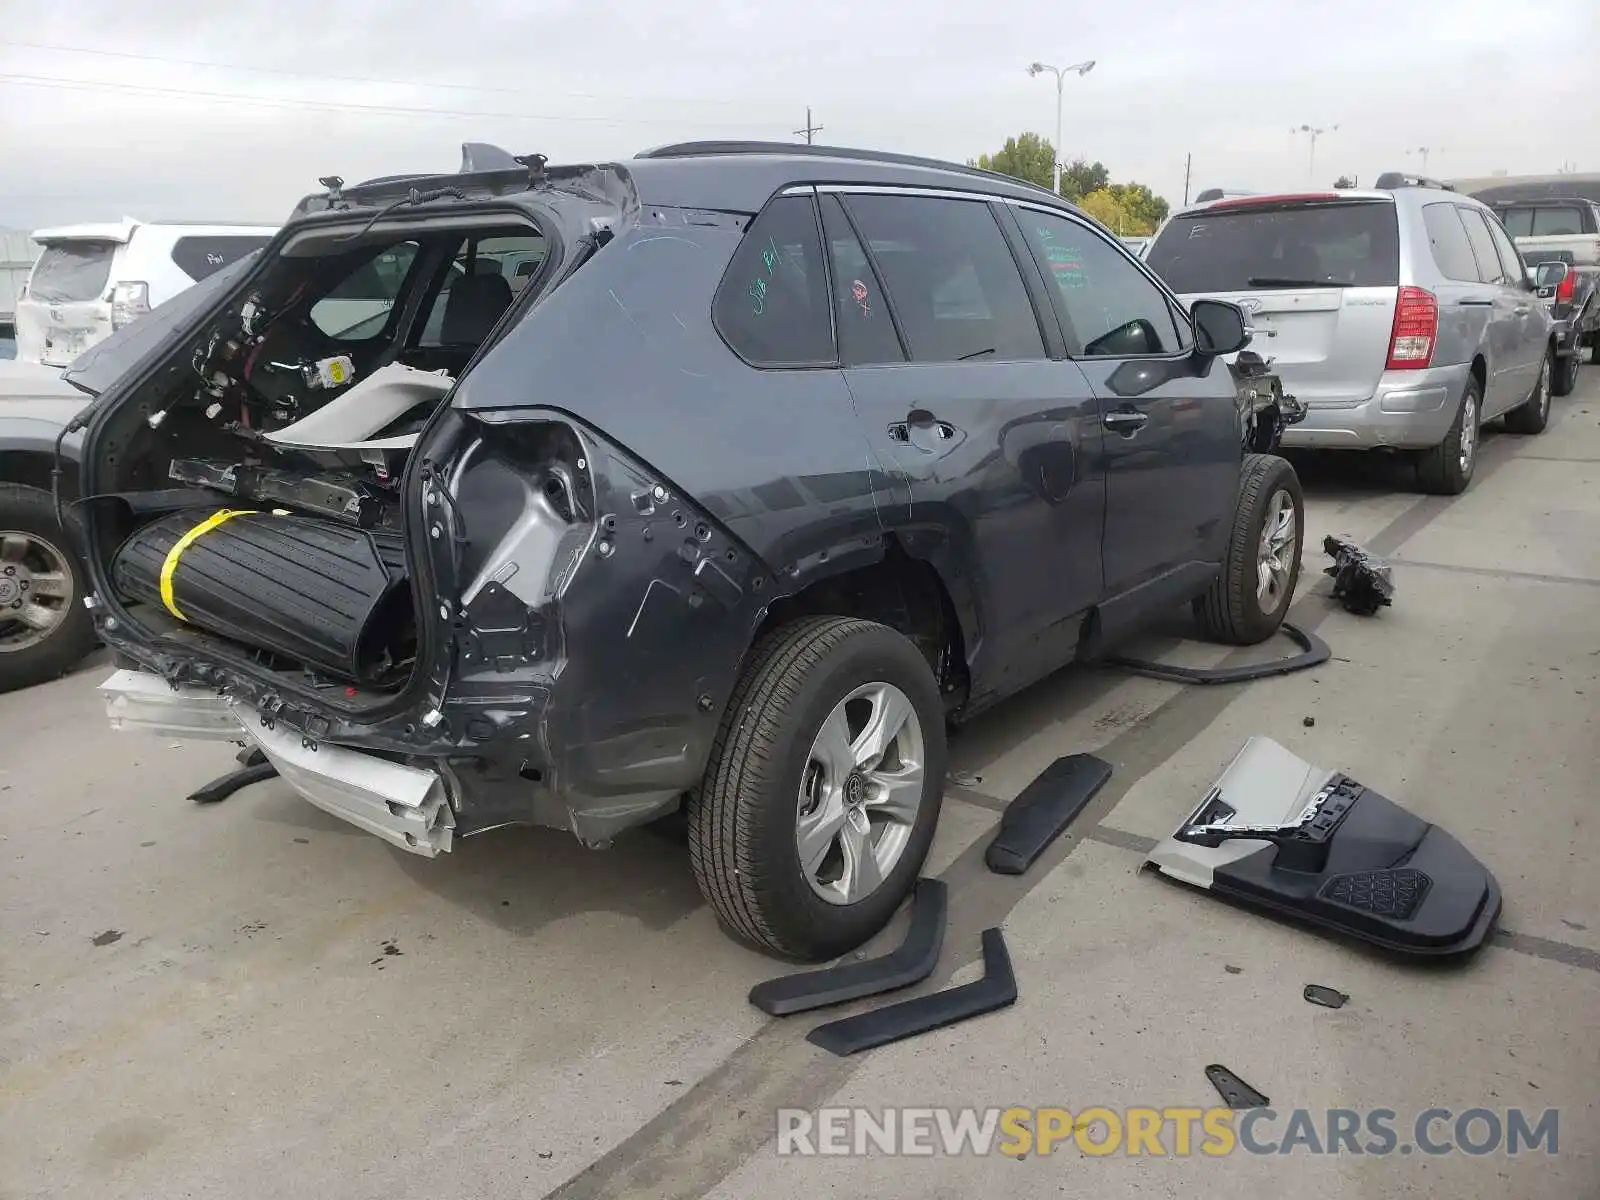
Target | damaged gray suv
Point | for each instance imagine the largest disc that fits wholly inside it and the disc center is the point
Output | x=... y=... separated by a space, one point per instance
x=726 y=479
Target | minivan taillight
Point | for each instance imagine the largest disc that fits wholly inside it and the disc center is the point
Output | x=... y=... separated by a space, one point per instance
x=1416 y=325
x=129 y=301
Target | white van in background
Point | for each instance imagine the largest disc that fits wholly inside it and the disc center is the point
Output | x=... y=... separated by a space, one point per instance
x=90 y=280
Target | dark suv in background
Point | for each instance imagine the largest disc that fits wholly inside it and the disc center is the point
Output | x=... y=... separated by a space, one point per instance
x=780 y=461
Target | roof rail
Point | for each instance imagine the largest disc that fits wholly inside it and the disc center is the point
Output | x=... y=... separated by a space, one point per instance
x=806 y=149
x=1216 y=193
x=1399 y=179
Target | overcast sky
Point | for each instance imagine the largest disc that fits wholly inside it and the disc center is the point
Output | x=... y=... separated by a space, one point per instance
x=230 y=112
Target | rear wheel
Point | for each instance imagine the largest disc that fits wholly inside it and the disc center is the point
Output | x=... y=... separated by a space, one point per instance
x=1533 y=414
x=1446 y=470
x=1247 y=601
x=44 y=628
x=823 y=790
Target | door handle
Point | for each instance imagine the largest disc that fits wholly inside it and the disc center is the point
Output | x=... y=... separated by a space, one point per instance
x=1126 y=421
x=921 y=421
x=1475 y=303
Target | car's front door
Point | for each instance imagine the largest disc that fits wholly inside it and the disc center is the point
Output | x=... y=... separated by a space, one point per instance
x=1525 y=306
x=1508 y=366
x=1171 y=422
x=996 y=442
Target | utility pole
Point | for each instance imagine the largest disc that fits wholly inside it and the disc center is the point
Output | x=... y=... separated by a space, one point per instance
x=1188 y=161
x=810 y=128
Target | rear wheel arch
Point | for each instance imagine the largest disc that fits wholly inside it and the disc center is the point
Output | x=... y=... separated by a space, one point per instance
x=924 y=596
x=32 y=468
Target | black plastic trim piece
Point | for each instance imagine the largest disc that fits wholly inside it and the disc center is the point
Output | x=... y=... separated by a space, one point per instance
x=923 y=1014
x=1042 y=811
x=1328 y=997
x=1236 y=1093
x=221 y=789
x=910 y=962
x=1314 y=652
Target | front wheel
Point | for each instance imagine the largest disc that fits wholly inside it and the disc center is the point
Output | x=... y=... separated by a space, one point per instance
x=1247 y=601
x=1533 y=414
x=1565 y=378
x=823 y=790
x=44 y=628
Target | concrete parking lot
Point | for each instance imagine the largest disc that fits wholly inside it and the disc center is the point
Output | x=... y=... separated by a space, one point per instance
x=253 y=1000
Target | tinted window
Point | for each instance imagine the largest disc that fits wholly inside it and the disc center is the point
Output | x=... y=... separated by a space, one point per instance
x=1510 y=260
x=866 y=330
x=1452 y=252
x=513 y=258
x=1110 y=308
x=954 y=286
x=772 y=305
x=1262 y=247
x=1489 y=269
x=350 y=307
x=1543 y=221
x=198 y=257
x=69 y=271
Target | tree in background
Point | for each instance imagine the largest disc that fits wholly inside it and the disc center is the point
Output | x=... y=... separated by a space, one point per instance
x=1028 y=157
x=1344 y=181
x=1126 y=208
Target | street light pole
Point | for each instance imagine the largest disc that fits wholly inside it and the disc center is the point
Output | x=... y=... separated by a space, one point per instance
x=1424 y=151
x=1080 y=69
x=1314 y=132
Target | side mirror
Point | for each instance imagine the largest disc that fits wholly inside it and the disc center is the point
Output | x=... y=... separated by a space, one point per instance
x=1219 y=327
x=1550 y=274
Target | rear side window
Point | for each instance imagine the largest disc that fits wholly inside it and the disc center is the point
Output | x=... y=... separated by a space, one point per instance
x=198 y=257
x=1452 y=252
x=71 y=271
x=1543 y=221
x=1265 y=247
x=866 y=329
x=772 y=304
x=1489 y=268
x=952 y=281
x=464 y=316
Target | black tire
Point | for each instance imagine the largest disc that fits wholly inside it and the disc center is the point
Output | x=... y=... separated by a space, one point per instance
x=1564 y=379
x=1232 y=609
x=1533 y=414
x=31 y=512
x=743 y=817
x=1439 y=470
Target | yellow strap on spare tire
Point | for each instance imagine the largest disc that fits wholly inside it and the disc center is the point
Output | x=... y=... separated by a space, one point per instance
x=182 y=544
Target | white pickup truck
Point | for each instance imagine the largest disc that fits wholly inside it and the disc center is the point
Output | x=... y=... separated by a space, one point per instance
x=1555 y=221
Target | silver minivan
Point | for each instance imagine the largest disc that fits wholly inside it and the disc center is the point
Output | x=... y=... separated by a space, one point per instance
x=1401 y=316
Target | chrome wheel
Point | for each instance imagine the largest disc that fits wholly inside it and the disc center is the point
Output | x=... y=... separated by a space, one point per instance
x=1276 y=560
x=1468 y=442
x=860 y=793
x=1544 y=389
x=36 y=590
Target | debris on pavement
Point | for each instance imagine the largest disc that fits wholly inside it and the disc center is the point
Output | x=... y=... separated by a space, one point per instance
x=1362 y=582
x=924 y=1014
x=1326 y=996
x=1041 y=812
x=1313 y=653
x=911 y=962
x=1235 y=1092
x=1267 y=836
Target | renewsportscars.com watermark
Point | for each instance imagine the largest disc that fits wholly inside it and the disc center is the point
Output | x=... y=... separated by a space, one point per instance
x=1158 y=1132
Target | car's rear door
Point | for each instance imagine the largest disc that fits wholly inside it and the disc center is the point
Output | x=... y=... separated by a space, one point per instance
x=1317 y=275
x=967 y=394
x=1170 y=419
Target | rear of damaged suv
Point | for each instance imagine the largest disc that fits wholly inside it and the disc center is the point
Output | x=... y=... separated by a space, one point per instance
x=386 y=508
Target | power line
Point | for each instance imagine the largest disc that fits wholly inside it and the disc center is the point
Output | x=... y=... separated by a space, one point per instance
x=140 y=89
x=165 y=60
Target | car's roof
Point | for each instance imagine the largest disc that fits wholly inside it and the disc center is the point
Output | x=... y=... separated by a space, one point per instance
x=736 y=177
x=123 y=230
x=1397 y=195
